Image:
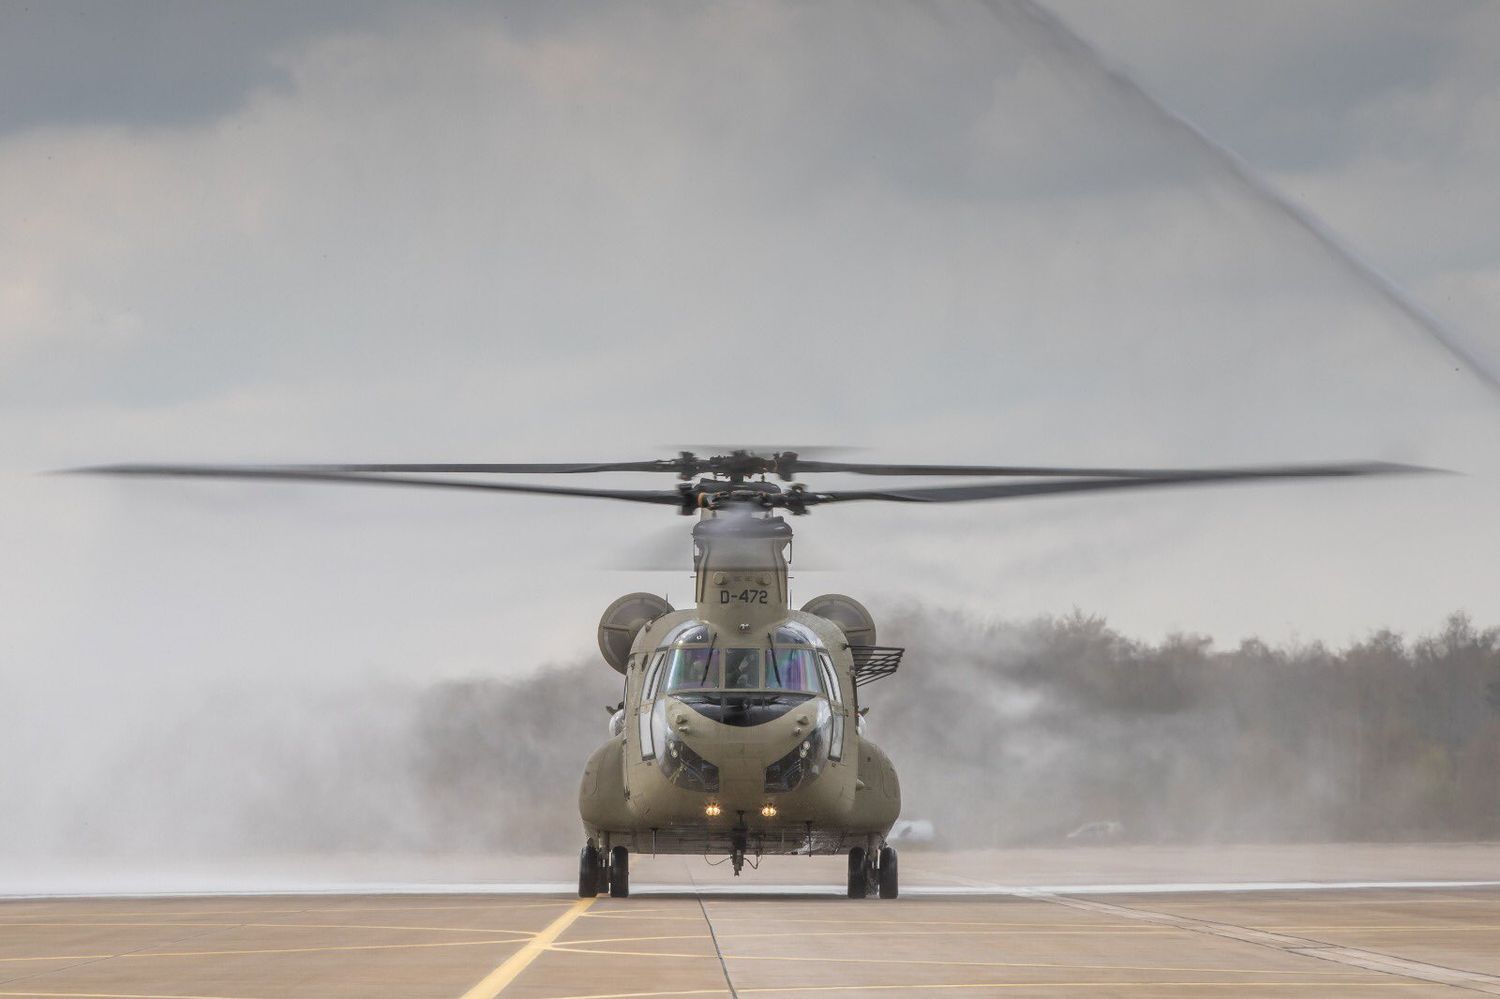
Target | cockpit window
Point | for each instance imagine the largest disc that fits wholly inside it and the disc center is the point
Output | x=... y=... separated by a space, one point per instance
x=742 y=669
x=687 y=633
x=793 y=633
x=793 y=669
x=692 y=669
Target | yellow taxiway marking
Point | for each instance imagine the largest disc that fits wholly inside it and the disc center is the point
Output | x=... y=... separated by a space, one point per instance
x=23 y=921
x=305 y=926
x=496 y=981
x=1014 y=984
x=113 y=995
x=1090 y=986
x=143 y=955
x=568 y=947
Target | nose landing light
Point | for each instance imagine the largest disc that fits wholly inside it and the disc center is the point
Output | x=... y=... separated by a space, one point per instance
x=768 y=810
x=712 y=810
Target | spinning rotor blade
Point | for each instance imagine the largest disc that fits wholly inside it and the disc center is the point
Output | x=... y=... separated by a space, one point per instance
x=1017 y=490
x=988 y=471
x=531 y=468
x=277 y=473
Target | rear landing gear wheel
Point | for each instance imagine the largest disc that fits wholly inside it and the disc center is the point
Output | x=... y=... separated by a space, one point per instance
x=888 y=873
x=588 y=871
x=859 y=878
x=619 y=873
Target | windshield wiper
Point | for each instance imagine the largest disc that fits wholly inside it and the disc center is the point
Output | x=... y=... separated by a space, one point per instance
x=774 y=667
x=708 y=660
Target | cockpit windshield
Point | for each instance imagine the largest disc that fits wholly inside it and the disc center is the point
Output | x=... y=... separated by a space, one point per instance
x=786 y=664
x=692 y=669
x=793 y=669
x=742 y=669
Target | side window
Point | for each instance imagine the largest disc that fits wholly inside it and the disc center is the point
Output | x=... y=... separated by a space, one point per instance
x=653 y=677
x=835 y=697
x=643 y=717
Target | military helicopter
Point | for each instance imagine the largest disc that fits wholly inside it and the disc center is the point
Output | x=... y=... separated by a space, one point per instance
x=740 y=731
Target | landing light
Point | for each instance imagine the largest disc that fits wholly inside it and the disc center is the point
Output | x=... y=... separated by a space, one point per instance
x=768 y=810
x=712 y=810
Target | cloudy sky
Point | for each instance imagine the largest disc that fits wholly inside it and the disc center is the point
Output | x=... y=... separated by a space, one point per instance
x=1076 y=233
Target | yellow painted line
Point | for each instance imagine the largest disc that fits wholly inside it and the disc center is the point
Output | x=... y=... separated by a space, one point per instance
x=1084 y=988
x=103 y=916
x=314 y=950
x=527 y=934
x=1127 y=931
x=146 y=955
x=570 y=947
x=496 y=981
x=308 y=926
x=113 y=995
x=120 y=923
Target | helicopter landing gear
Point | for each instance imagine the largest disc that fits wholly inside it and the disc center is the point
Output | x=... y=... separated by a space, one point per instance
x=888 y=872
x=859 y=873
x=619 y=873
x=866 y=879
x=590 y=871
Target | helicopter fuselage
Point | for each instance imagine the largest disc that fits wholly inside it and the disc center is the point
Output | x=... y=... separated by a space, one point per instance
x=740 y=730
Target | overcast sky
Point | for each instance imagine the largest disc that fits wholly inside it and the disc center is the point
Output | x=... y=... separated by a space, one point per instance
x=346 y=232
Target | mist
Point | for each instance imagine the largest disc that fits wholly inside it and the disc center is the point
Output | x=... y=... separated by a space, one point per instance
x=1004 y=733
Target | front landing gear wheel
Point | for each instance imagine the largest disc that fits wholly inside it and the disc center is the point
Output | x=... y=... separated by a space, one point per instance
x=888 y=880
x=588 y=871
x=619 y=873
x=859 y=878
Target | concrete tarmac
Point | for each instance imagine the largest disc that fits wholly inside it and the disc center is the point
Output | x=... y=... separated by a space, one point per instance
x=947 y=935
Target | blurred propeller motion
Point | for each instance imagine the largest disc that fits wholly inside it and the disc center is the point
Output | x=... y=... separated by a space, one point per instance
x=738 y=478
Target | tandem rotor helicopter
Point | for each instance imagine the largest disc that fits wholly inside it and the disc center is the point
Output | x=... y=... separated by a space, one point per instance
x=741 y=730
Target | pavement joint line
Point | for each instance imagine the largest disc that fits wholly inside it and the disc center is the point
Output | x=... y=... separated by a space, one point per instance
x=497 y=981
x=1304 y=947
x=717 y=950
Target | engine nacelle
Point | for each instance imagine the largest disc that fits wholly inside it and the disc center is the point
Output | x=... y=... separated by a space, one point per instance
x=623 y=620
x=846 y=612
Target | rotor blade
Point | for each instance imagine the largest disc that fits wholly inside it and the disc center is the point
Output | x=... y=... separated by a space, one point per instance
x=1016 y=490
x=531 y=468
x=993 y=471
x=278 y=473
x=989 y=471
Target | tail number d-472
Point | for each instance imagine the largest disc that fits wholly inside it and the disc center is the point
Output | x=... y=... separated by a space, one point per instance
x=744 y=596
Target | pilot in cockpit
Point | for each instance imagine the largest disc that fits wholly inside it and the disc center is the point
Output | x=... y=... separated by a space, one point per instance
x=742 y=669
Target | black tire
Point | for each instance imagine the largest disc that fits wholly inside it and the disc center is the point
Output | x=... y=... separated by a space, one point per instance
x=859 y=878
x=619 y=873
x=588 y=871
x=889 y=884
